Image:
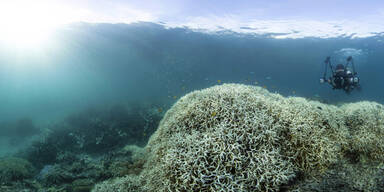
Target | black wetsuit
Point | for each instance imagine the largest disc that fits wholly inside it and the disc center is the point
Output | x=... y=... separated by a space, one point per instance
x=342 y=77
x=342 y=80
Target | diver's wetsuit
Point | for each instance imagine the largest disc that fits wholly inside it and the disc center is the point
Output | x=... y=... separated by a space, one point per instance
x=342 y=77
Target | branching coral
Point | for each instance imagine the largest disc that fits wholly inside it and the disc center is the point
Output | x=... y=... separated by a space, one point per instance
x=120 y=184
x=316 y=134
x=242 y=138
x=365 y=121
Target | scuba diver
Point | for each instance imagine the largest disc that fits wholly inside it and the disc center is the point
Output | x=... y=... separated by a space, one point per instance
x=342 y=77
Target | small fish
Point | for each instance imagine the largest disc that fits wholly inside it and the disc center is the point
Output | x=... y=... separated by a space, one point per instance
x=256 y=82
x=175 y=97
x=219 y=81
x=183 y=88
x=268 y=78
x=293 y=92
x=264 y=87
x=252 y=72
x=213 y=113
x=160 y=110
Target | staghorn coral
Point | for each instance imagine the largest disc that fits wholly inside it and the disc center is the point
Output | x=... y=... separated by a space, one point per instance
x=129 y=183
x=346 y=176
x=134 y=165
x=315 y=132
x=242 y=138
x=365 y=121
x=128 y=172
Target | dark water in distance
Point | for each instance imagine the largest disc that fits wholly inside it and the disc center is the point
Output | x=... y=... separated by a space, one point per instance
x=145 y=62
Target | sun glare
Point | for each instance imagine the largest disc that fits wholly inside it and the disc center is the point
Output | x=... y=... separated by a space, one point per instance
x=30 y=24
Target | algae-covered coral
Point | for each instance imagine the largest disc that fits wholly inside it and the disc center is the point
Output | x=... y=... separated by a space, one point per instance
x=242 y=138
x=15 y=169
x=81 y=150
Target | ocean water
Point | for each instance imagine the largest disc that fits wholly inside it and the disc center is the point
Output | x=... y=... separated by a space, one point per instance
x=101 y=63
x=154 y=65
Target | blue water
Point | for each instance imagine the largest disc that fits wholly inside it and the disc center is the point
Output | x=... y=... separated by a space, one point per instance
x=102 y=64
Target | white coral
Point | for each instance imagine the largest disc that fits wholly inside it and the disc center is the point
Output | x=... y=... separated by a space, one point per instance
x=239 y=138
x=242 y=138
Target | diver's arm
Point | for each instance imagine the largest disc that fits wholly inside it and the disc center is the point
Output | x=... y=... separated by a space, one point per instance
x=327 y=63
x=350 y=61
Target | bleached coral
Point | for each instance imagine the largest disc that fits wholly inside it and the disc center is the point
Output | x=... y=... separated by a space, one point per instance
x=243 y=138
x=239 y=138
x=365 y=121
x=315 y=133
x=130 y=183
x=137 y=153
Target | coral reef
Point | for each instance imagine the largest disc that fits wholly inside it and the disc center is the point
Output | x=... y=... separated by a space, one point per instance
x=242 y=138
x=80 y=173
x=225 y=138
x=130 y=183
x=85 y=148
x=316 y=133
x=346 y=176
x=126 y=172
x=15 y=169
x=365 y=121
x=122 y=166
x=112 y=129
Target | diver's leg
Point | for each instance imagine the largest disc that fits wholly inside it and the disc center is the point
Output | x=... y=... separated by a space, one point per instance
x=347 y=89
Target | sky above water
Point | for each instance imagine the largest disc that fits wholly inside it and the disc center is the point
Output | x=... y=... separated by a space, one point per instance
x=118 y=10
x=290 y=18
